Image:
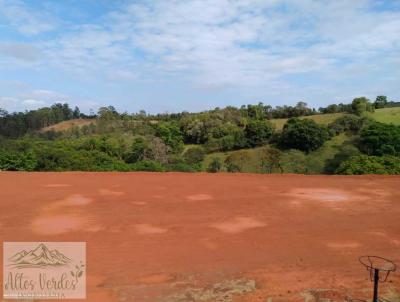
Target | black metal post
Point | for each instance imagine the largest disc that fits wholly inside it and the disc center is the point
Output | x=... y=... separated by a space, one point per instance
x=376 y=281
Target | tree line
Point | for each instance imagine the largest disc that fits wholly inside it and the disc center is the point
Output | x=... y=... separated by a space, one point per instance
x=179 y=142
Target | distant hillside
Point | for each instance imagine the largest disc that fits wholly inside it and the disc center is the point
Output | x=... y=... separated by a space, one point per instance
x=319 y=118
x=313 y=163
x=65 y=125
x=384 y=115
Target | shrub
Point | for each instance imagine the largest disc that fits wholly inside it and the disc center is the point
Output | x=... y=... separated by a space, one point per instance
x=258 y=132
x=364 y=164
x=305 y=135
x=348 y=122
x=148 y=165
x=294 y=161
x=361 y=105
x=170 y=134
x=21 y=161
x=178 y=163
x=271 y=159
x=236 y=161
x=215 y=165
x=345 y=152
x=137 y=151
x=380 y=139
x=194 y=155
x=61 y=159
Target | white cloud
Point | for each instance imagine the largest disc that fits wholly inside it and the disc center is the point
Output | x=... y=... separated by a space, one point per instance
x=32 y=99
x=46 y=96
x=8 y=103
x=25 y=20
x=253 y=47
x=31 y=103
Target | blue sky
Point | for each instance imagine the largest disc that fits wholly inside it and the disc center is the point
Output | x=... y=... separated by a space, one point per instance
x=169 y=56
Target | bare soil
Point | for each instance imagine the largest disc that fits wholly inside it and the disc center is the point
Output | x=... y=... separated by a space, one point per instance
x=174 y=237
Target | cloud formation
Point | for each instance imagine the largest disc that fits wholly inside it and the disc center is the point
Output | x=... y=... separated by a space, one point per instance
x=253 y=50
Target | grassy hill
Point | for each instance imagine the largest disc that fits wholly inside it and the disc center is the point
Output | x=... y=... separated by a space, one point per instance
x=316 y=160
x=319 y=118
x=65 y=125
x=384 y=115
x=313 y=162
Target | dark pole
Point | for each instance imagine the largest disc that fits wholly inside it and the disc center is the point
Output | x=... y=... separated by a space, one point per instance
x=376 y=280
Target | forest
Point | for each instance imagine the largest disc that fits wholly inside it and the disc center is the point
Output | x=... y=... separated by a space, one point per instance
x=361 y=137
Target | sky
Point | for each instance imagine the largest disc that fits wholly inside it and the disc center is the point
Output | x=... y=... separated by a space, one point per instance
x=171 y=56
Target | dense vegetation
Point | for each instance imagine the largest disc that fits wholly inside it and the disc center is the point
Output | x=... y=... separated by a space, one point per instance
x=231 y=139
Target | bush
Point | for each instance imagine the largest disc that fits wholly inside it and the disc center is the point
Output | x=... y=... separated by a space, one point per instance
x=348 y=122
x=232 y=138
x=148 y=165
x=215 y=165
x=271 y=159
x=364 y=164
x=380 y=139
x=194 y=155
x=361 y=105
x=305 y=135
x=294 y=161
x=345 y=152
x=152 y=148
x=178 y=163
x=12 y=161
x=170 y=134
x=258 y=132
x=236 y=161
x=60 y=159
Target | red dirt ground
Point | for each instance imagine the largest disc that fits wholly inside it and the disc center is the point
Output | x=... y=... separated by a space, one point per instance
x=212 y=237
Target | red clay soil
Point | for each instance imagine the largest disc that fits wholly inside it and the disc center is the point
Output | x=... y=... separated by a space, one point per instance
x=212 y=237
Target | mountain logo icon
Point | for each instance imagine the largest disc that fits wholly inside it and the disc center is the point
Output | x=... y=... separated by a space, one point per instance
x=40 y=257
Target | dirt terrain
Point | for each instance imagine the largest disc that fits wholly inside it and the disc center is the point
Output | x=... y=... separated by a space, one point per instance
x=174 y=237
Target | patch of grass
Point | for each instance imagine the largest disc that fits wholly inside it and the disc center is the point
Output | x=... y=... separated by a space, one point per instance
x=251 y=166
x=386 y=115
x=65 y=125
x=316 y=160
x=188 y=146
x=318 y=118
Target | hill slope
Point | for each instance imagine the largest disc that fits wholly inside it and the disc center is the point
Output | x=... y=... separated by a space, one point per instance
x=65 y=125
x=384 y=115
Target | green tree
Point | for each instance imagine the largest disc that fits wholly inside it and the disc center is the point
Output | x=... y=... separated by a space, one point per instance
x=303 y=134
x=76 y=113
x=381 y=101
x=361 y=105
x=171 y=135
x=258 y=132
x=348 y=122
x=137 y=151
x=380 y=139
